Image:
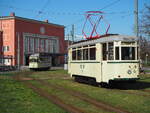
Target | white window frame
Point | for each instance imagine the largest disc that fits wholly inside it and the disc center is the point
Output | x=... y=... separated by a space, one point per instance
x=5 y=48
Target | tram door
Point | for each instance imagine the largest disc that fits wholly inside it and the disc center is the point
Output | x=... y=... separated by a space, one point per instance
x=107 y=54
x=104 y=62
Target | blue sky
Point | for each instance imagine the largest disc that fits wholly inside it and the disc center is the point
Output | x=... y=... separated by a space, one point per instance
x=118 y=13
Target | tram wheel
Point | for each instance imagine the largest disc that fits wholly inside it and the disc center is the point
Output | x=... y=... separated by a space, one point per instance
x=92 y=81
x=104 y=85
x=77 y=79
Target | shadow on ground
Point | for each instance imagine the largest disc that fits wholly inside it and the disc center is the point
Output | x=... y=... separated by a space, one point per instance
x=130 y=86
x=134 y=85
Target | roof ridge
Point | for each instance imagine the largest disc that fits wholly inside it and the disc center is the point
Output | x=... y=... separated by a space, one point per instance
x=28 y=19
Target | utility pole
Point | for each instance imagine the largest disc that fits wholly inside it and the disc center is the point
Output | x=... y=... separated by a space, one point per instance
x=136 y=28
x=136 y=18
x=68 y=39
x=18 y=51
x=72 y=33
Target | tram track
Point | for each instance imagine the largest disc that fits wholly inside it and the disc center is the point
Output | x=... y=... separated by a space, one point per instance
x=84 y=97
x=31 y=78
x=145 y=90
x=52 y=98
x=98 y=104
x=56 y=100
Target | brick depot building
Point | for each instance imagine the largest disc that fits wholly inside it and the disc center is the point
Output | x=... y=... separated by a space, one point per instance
x=21 y=37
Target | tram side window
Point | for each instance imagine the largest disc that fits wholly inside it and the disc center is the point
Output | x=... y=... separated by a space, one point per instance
x=128 y=53
x=44 y=59
x=33 y=60
x=133 y=53
x=110 y=51
x=104 y=46
x=85 y=54
x=93 y=53
x=73 y=55
x=79 y=55
x=117 y=53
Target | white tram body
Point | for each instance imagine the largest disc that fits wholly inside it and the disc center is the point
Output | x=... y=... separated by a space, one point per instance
x=109 y=58
x=40 y=61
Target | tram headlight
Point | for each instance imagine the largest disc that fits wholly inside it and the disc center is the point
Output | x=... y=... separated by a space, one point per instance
x=129 y=72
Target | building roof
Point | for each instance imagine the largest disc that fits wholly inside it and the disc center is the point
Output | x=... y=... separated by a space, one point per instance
x=31 y=20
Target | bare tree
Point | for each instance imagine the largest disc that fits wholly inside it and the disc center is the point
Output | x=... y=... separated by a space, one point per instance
x=145 y=48
x=144 y=30
x=144 y=27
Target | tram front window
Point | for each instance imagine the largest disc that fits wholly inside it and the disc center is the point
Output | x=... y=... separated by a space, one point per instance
x=33 y=60
x=127 y=53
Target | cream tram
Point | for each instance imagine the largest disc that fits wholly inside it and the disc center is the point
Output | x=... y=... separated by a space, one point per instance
x=110 y=58
x=40 y=61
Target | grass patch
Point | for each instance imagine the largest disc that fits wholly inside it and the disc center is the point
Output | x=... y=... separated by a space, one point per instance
x=128 y=102
x=49 y=74
x=16 y=98
x=8 y=73
x=13 y=73
x=37 y=74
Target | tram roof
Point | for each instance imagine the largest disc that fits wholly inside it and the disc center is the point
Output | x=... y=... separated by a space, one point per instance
x=109 y=38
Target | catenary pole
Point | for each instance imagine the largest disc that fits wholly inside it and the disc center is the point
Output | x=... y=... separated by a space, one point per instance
x=18 y=51
x=68 y=39
x=136 y=18
x=72 y=33
x=136 y=28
